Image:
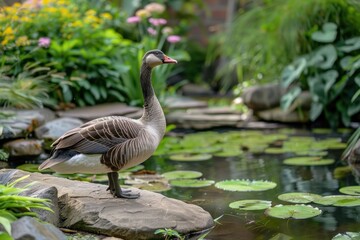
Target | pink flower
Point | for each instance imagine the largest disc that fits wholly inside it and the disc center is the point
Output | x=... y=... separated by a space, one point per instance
x=151 y=31
x=173 y=38
x=133 y=19
x=157 y=21
x=44 y=42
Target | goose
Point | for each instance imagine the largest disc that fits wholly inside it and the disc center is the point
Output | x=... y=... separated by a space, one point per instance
x=113 y=143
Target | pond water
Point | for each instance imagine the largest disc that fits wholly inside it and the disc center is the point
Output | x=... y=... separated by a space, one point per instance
x=237 y=224
x=248 y=160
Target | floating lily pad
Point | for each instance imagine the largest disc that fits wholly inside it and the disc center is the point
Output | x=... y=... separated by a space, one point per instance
x=134 y=168
x=308 y=161
x=339 y=200
x=347 y=236
x=276 y=150
x=350 y=190
x=250 y=204
x=181 y=174
x=293 y=211
x=29 y=167
x=190 y=157
x=192 y=183
x=245 y=185
x=153 y=186
x=298 y=197
x=227 y=153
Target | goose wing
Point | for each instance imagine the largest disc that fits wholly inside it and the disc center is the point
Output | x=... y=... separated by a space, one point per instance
x=99 y=135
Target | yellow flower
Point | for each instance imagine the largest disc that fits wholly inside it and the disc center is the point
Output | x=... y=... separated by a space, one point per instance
x=8 y=31
x=16 y=5
x=142 y=13
x=77 y=23
x=106 y=15
x=22 y=41
x=25 y=19
x=91 y=12
x=50 y=9
x=4 y=42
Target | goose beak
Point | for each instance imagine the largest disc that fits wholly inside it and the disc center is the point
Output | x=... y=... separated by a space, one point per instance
x=168 y=59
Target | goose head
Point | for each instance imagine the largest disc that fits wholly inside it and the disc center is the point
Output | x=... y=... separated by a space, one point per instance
x=156 y=57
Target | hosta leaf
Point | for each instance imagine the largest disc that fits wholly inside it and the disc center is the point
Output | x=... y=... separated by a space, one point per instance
x=327 y=35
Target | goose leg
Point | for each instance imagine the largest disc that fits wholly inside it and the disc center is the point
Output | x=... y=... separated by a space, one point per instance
x=115 y=189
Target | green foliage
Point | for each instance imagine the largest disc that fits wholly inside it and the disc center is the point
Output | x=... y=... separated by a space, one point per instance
x=169 y=234
x=262 y=40
x=331 y=74
x=86 y=50
x=13 y=206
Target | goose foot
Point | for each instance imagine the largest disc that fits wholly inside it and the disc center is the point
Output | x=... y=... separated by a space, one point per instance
x=116 y=190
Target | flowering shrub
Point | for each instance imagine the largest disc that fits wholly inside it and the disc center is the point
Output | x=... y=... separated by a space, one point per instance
x=83 y=57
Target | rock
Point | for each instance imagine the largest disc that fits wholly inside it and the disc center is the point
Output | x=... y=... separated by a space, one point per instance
x=89 y=207
x=191 y=89
x=279 y=115
x=263 y=97
x=50 y=193
x=28 y=228
x=303 y=101
x=54 y=129
x=23 y=147
x=20 y=123
x=203 y=120
x=101 y=110
x=175 y=103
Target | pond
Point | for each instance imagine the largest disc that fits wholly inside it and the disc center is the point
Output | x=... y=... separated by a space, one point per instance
x=239 y=224
x=259 y=156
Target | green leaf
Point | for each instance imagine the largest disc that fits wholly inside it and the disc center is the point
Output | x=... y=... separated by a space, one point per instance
x=327 y=35
x=350 y=45
x=308 y=161
x=250 y=204
x=330 y=78
x=95 y=92
x=245 y=185
x=89 y=98
x=316 y=110
x=350 y=190
x=181 y=174
x=289 y=97
x=293 y=211
x=324 y=57
x=298 y=197
x=293 y=72
x=191 y=183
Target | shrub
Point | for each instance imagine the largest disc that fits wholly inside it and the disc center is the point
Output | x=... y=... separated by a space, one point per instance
x=331 y=73
x=264 y=39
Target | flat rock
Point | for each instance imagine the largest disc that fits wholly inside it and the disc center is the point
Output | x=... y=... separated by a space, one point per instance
x=101 y=110
x=203 y=119
x=89 y=207
x=23 y=147
x=174 y=103
x=279 y=115
x=28 y=228
x=54 y=129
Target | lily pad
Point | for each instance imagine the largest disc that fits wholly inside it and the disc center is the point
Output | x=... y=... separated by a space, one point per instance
x=350 y=190
x=153 y=186
x=191 y=183
x=29 y=167
x=293 y=211
x=245 y=185
x=250 y=204
x=339 y=200
x=276 y=150
x=134 y=168
x=228 y=153
x=347 y=236
x=190 y=157
x=298 y=197
x=181 y=175
x=308 y=161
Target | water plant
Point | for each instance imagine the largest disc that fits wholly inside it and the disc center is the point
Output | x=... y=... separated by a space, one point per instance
x=250 y=204
x=293 y=211
x=350 y=190
x=308 y=161
x=184 y=174
x=298 y=197
x=347 y=236
x=245 y=185
x=191 y=183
